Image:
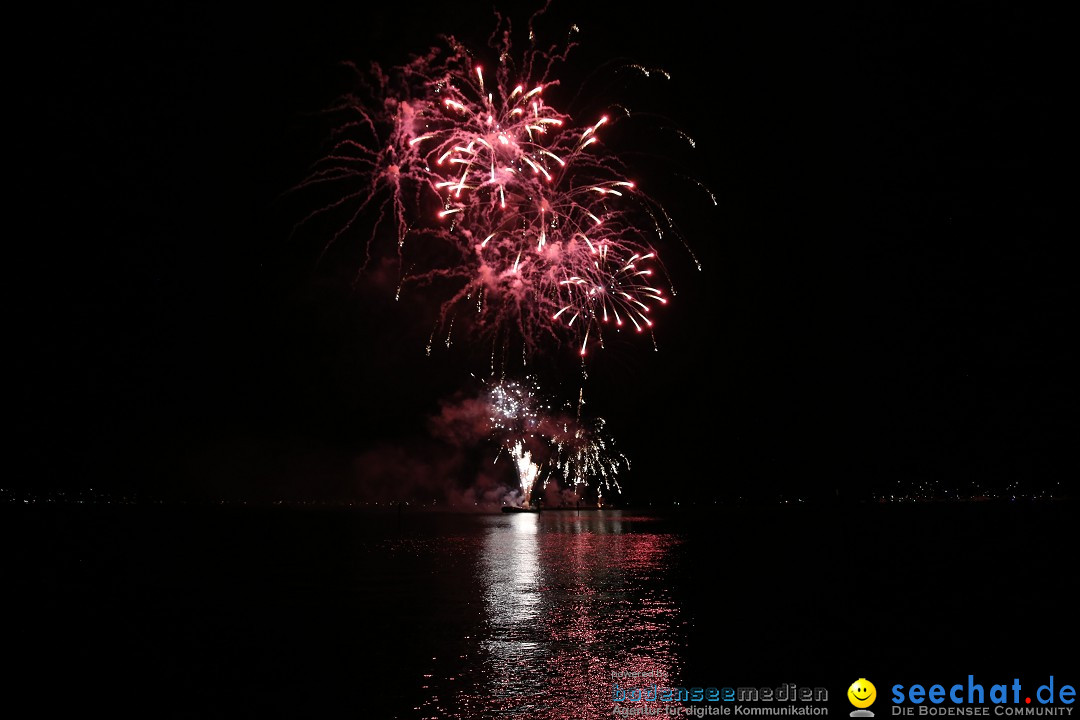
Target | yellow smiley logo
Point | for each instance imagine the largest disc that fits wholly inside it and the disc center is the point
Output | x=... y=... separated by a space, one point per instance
x=862 y=693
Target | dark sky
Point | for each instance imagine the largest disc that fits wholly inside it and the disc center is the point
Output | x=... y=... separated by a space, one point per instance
x=883 y=297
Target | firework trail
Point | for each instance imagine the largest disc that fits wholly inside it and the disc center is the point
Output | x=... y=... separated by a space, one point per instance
x=522 y=218
x=546 y=444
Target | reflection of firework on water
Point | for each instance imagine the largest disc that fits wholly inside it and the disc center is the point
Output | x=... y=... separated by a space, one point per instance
x=524 y=218
x=537 y=437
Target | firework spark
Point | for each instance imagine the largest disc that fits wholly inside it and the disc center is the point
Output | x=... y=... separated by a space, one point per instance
x=584 y=454
x=546 y=444
x=516 y=416
x=541 y=237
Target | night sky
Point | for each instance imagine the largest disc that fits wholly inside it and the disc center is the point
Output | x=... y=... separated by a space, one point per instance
x=883 y=297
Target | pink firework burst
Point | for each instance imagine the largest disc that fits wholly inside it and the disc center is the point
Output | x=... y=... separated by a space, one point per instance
x=520 y=215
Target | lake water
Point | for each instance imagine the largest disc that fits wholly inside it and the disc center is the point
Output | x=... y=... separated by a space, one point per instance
x=309 y=612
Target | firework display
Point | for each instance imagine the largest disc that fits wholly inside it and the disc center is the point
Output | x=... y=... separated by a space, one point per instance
x=547 y=444
x=512 y=213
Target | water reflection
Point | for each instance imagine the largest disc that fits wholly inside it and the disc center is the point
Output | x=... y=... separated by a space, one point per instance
x=569 y=598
